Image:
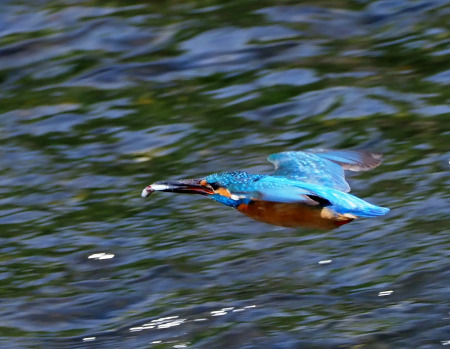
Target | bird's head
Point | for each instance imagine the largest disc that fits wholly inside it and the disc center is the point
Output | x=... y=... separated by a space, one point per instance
x=214 y=186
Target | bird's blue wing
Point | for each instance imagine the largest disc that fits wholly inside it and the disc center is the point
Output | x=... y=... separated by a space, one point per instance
x=323 y=167
x=352 y=160
x=275 y=190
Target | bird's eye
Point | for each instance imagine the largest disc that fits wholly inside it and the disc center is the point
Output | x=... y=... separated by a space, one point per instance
x=214 y=185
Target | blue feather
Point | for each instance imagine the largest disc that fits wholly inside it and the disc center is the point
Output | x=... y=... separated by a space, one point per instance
x=321 y=166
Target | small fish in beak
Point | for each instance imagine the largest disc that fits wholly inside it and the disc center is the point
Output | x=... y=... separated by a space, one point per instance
x=187 y=186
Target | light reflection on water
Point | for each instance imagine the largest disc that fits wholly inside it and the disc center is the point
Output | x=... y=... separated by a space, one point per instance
x=101 y=255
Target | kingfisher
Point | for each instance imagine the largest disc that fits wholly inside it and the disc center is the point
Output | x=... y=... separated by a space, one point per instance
x=307 y=189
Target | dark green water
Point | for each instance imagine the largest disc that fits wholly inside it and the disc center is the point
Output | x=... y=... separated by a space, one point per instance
x=101 y=98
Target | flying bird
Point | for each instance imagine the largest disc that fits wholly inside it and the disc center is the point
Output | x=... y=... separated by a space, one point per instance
x=307 y=189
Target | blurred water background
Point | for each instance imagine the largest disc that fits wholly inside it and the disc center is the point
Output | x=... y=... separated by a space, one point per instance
x=100 y=98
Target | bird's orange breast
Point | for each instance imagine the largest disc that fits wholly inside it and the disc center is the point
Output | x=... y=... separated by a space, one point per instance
x=294 y=215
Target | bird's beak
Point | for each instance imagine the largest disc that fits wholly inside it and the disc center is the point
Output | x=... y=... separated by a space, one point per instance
x=187 y=186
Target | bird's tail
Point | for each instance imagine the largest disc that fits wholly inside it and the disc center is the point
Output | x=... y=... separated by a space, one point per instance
x=372 y=211
x=350 y=204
